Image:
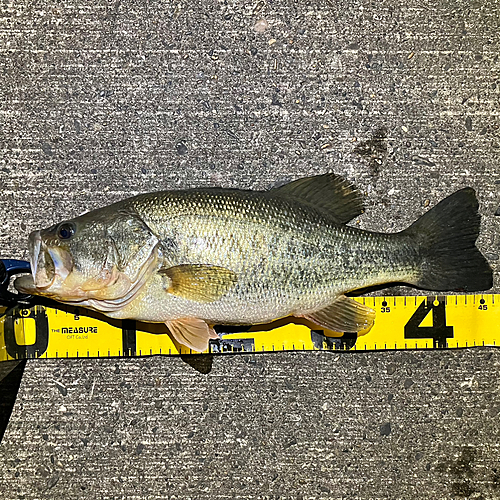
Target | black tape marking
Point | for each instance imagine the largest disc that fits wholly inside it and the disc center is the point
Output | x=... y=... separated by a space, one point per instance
x=324 y=343
x=22 y=351
x=232 y=345
x=129 y=337
x=439 y=332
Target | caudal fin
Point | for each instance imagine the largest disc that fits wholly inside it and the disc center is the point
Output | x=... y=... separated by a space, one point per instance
x=446 y=237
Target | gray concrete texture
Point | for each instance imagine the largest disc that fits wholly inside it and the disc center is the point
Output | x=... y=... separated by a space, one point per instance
x=101 y=100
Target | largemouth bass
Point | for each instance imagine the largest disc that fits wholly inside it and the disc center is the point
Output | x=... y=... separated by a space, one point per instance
x=196 y=258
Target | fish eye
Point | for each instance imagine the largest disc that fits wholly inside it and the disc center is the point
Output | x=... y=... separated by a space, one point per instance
x=66 y=230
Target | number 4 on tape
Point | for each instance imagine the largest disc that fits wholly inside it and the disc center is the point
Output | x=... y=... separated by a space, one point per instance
x=439 y=332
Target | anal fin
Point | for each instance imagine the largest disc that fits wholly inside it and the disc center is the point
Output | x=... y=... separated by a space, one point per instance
x=344 y=315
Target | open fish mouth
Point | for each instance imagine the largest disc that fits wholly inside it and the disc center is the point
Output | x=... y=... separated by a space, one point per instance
x=42 y=265
x=26 y=283
x=47 y=263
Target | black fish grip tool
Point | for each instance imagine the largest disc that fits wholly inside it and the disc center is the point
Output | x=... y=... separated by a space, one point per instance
x=8 y=269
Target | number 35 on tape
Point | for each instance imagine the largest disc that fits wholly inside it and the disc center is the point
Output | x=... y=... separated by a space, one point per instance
x=406 y=322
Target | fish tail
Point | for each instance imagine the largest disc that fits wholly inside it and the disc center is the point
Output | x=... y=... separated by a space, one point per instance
x=446 y=238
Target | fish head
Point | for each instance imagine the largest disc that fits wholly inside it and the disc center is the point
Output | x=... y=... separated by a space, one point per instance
x=99 y=256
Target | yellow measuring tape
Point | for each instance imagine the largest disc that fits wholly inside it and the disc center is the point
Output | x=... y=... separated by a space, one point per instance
x=407 y=322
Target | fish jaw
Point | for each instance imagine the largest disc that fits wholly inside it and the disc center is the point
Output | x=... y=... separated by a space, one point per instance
x=63 y=262
x=50 y=265
x=42 y=265
x=25 y=284
x=44 y=274
x=34 y=245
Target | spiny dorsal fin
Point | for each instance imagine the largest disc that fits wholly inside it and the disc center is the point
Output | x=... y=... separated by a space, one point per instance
x=329 y=192
x=344 y=315
x=199 y=282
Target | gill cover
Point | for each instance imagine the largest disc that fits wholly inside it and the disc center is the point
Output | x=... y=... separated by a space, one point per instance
x=134 y=251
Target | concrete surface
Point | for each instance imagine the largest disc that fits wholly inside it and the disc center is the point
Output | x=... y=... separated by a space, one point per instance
x=100 y=100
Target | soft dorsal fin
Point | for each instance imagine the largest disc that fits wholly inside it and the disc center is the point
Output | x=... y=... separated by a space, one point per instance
x=329 y=192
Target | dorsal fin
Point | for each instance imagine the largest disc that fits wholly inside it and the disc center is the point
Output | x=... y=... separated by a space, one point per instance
x=329 y=192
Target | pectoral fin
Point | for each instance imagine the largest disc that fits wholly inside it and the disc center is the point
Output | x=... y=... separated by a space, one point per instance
x=199 y=282
x=191 y=332
x=344 y=315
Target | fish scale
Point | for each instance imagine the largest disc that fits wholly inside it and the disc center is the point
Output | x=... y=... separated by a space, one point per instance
x=262 y=233
x=195 y=258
